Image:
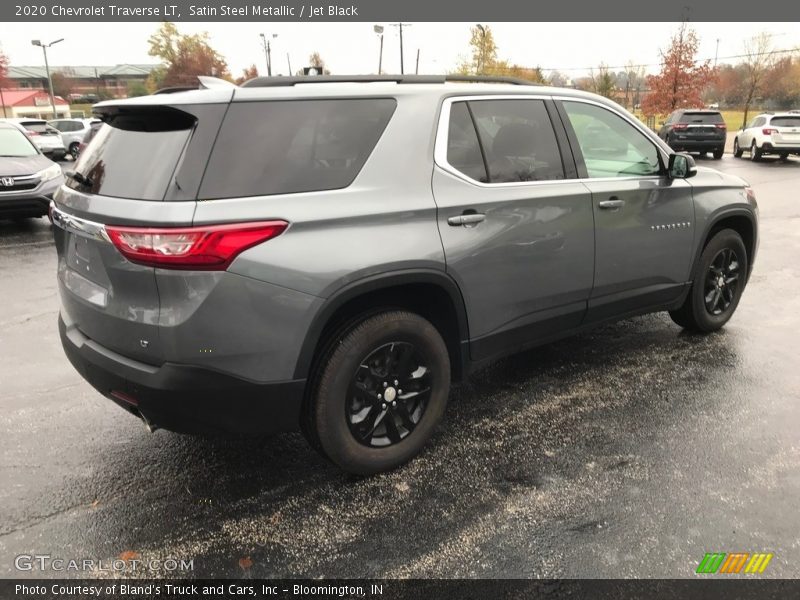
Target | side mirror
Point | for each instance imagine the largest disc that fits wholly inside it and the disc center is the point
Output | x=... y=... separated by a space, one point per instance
x=681 y=166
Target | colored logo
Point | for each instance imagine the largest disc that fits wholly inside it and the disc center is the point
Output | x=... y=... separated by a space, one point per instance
x=734 y=562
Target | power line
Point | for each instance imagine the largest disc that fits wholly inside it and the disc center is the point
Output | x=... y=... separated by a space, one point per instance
x=789 y=51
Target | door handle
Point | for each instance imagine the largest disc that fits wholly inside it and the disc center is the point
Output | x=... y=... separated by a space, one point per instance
x=612 y=202
x=469 y=219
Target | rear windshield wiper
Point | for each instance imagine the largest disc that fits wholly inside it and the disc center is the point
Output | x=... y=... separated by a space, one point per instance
x=79 y=177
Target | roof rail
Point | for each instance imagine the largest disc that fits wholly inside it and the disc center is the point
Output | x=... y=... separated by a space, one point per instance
x=400 y=79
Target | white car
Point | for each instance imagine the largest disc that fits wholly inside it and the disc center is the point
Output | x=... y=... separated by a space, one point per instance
x=72 y=132
x=767 y=133
x=46 y=138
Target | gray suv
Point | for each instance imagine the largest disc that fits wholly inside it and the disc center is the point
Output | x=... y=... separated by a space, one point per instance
x=331 y=253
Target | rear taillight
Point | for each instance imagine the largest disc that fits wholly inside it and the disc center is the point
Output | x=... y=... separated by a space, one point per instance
x=204 y=248
x=768 y=131
x=721 y=126
x=680 y=126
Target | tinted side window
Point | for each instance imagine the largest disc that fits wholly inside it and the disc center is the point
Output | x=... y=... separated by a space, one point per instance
x=463 y=148
x=518 y=140
x=611 y=146
x=284 y=147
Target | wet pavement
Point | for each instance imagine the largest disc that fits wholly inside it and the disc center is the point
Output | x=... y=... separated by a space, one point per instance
x=630 y=451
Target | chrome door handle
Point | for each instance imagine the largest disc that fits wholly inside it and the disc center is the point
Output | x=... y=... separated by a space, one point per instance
x=468 y=219
x=612 y=203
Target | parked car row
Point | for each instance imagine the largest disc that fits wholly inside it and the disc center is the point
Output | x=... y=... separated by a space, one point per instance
x=56 y=138
x=704 y=130
x=28 y=178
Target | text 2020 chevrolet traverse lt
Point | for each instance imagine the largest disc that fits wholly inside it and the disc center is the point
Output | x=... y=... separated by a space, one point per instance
x=331 y=254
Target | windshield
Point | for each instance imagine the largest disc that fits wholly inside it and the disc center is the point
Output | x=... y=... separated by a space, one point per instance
x=14 y=143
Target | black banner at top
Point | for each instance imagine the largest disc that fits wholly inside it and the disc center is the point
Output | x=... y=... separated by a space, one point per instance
x=394 y=10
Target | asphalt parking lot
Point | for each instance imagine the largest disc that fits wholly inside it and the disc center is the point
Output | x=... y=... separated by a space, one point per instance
x=630 y=451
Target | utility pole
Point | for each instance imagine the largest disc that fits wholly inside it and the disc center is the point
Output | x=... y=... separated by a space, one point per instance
x=268 y=51
x=47 y=70
x=289 y=62
x=416 y=69
x=379 y=30
x=716 y=53
x=400 y=26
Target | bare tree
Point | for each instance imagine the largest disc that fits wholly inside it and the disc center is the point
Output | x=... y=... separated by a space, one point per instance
x=758 y=61
x=603 y=81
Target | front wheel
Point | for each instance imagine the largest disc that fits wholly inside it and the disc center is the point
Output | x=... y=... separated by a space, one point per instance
x=737 y=151
x=717 y=285
x=379 y=392
x=73 y=150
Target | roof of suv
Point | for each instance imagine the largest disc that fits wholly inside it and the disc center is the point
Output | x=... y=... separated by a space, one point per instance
x=295 y=89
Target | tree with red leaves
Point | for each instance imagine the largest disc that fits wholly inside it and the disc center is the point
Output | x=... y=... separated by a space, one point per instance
x=185 y=56
x=249 y=73
x=682 y=79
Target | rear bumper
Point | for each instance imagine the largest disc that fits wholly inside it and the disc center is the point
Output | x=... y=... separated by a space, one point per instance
x=184 y=398
x=704 y=145
x=780 y=148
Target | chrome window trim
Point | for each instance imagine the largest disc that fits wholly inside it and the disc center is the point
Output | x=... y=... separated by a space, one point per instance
x=83 y=227
x=442 y=131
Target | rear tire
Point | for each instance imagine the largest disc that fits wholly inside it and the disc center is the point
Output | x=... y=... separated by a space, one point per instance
x=717 y=285
x=73 y=150
x=358 y=417
x=737 y=151
x=718 y=153
x=784 y=156
x=755 y=152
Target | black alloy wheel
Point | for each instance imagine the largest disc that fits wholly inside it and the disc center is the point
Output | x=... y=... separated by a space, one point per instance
x=722 y=282
x=388 y=395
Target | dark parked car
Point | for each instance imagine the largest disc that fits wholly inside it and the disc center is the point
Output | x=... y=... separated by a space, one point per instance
x=331 y=254
x=27 y=177
x=695 y=130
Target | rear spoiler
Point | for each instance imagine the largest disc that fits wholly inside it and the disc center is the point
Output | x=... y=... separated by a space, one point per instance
x=206 y=83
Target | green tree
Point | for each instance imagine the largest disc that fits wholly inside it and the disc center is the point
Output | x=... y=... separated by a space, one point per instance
x=603 y=81
x=185 y=56
x=134 y=89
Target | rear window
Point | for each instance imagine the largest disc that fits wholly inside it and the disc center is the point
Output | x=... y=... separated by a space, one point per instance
x=134 y=154
x=284 y=147
x=785 y=121
x=38 y=127
x=701 y=117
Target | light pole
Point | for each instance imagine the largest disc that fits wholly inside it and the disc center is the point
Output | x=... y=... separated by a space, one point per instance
x=379 y=30
x=400 y=26
x=268 y=51
x=47 y=70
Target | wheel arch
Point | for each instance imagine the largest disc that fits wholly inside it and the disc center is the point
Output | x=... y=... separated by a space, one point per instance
x=742 y=222
x=431 y=294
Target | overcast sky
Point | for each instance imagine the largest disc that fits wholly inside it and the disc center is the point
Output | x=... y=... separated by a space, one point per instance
x=353 y=47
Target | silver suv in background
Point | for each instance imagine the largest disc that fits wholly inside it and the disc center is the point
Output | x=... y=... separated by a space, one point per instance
x=72 y=132
x=330 y=253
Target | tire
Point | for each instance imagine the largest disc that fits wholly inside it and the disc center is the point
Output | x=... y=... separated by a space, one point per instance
x=73 y=150
x=784 y=156
x=755 y=153
x=737 y=152
x=696 y=314
x=718 y=153
x=348 y=422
